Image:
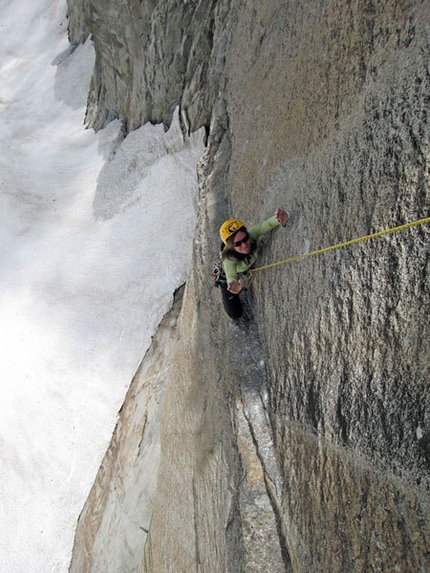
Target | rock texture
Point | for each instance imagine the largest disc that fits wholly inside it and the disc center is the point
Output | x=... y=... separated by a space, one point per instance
x=151 y=57
x=117 y=516
x=300 y=441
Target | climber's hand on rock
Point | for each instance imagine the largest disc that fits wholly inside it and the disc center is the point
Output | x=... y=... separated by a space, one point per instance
x=282 y=216
x=234 y=286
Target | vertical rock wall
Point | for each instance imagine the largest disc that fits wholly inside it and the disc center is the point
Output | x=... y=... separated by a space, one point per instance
x=299 y=441
x=116 y=518
x=151 y=57
x=336 y=127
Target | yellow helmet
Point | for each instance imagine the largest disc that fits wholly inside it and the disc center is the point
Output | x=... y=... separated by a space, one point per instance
x=229 y=228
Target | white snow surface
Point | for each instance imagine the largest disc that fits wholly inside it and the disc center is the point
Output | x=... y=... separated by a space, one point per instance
x=95 y=236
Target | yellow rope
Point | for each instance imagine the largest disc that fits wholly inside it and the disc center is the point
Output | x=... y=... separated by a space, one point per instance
x=345 y=244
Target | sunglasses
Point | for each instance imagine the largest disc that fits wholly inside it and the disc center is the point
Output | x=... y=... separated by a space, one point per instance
x=244 y=240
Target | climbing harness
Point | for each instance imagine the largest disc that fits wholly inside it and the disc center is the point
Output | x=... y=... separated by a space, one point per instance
x=219 y=278
x=345 y=244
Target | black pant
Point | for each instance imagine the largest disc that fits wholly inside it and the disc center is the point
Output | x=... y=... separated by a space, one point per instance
x=232 y=303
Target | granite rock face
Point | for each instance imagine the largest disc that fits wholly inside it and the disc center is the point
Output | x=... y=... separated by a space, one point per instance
x=298 y=441
x=151 y=57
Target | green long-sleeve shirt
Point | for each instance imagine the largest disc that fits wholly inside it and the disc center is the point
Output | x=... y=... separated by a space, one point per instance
x=233 y=266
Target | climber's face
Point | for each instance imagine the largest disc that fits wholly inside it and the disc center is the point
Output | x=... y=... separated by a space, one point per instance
x=241 y=242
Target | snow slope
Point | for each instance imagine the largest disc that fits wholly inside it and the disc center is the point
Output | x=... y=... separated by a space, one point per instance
x=95 y=235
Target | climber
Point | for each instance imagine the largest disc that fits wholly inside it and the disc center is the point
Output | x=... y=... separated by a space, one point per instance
x=238 y=255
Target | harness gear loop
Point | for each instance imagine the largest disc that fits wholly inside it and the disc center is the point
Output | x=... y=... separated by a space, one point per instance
x=218 y=275
x=344 y=244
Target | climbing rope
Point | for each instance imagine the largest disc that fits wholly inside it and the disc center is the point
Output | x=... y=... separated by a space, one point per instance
x=345 y=244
